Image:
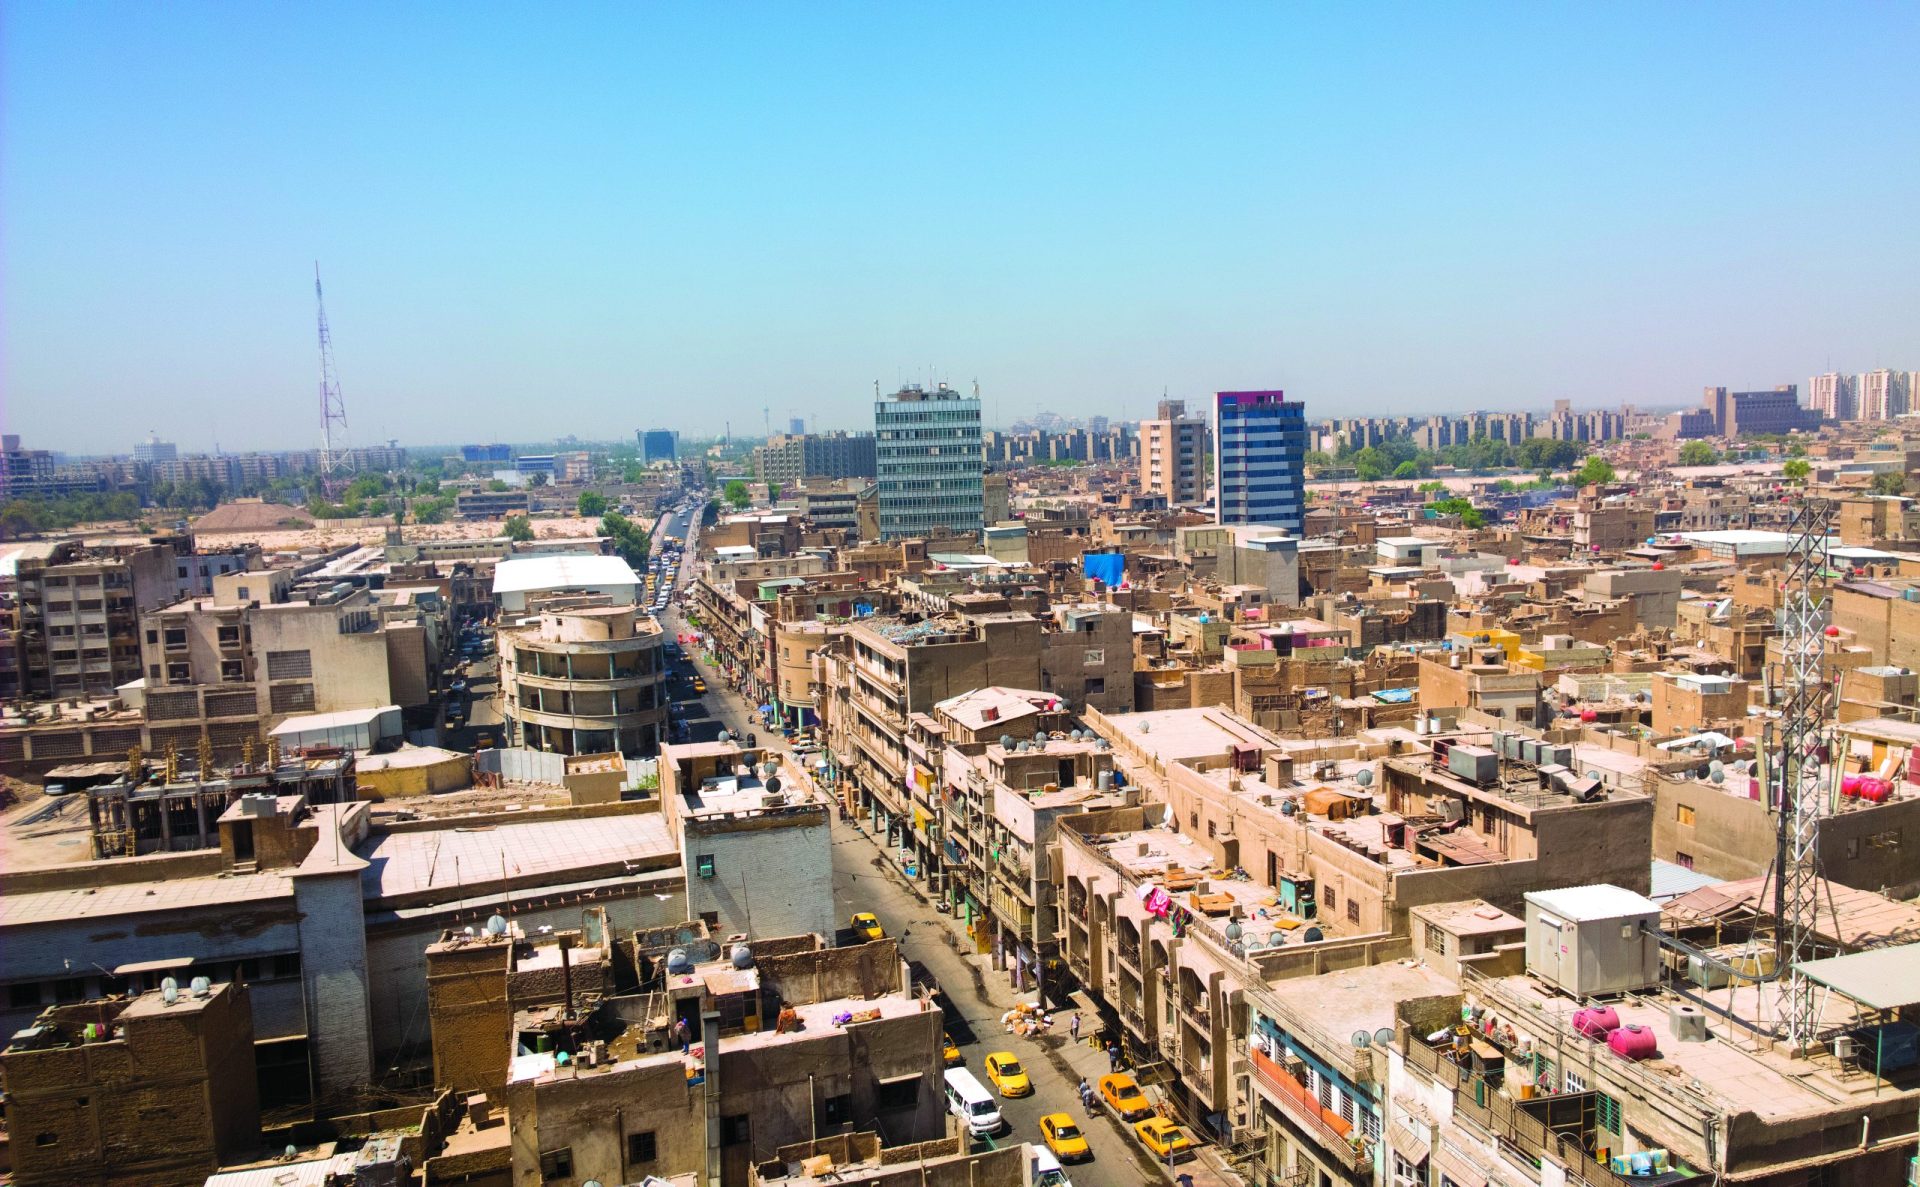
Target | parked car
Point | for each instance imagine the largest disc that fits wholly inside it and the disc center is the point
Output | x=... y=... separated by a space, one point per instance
x=1064 y=1138
x=1124 y=1097
x=866 y=925
x=1163 y=1138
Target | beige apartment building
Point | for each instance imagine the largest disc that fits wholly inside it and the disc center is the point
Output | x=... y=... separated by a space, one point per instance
x=1173 y=447
x=584 y=679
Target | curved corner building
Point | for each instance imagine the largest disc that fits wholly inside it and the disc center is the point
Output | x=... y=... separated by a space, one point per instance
x=587 y=680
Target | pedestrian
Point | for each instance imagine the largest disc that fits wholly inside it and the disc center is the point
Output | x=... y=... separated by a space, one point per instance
x=1113 y=1057
x=682 y=1035
x=1073 y=1028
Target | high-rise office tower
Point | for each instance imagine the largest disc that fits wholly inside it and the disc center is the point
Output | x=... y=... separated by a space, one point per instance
x=1884 y=394
x=927 y=451
x=1171 y=448
x=796 y=425
x=1259 y=459
x=658 y=445
x=1832 y=395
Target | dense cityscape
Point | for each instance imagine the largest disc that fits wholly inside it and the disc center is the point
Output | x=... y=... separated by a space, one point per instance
x=1370 y=636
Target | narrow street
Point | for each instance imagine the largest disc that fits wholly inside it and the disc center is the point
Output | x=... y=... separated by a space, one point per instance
x=976 y=995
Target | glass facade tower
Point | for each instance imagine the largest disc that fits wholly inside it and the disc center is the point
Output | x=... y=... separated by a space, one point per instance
x=927 y=452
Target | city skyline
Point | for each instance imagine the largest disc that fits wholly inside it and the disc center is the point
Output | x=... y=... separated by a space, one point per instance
x=625 y=215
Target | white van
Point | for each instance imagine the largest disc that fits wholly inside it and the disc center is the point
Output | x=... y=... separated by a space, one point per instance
x=1046 y=1169
x=967 y=1100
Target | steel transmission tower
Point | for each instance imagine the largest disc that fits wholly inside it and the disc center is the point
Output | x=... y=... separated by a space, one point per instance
x=333 y=409
x=1801 y=745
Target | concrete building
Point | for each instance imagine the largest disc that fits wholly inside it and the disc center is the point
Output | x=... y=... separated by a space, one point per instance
x=1884 y=394
x=1731 y=414
x=734 y=816
x=157 y=1090
x=1259 y=460
x=583 y=678
x=153 y=449
x=790 y=458
x=1834 y=395
x=1173 y=447
x=927 y=454
x=791 y=1041
x=78 y=612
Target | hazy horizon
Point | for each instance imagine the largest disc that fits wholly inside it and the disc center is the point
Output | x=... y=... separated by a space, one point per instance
x=591 y=221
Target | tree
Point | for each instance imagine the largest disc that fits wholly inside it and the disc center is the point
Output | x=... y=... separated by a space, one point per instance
x=1406 y=470
x=537 y=480
x=1427 y=488
x=1537 y=453
x=591 y=503
x=1597 y=471
x=1370 y=464
x=1796 y=449
x=518 y=527
x=1889 y=483
x=773 y=491
x=630 y=542
x=1470 y=516
x=1796 y=470
x=1698 y=453
x=1317 y=460
x=496 y=484
x=737 y=494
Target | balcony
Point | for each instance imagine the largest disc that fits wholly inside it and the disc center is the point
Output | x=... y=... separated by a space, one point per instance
x=1333 y=1132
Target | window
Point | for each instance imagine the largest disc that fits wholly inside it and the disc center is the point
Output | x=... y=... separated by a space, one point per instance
x=1327 y=896
x=1193 y=820
x=1096 y=686
x=641 y=1147
x=286 y=965
x=289 y=665
x=897 y=1092
x=1353 y=910
x=246 y=595
x=153 y=636
x=556 y=1165
x=176 y=636
x=23 y=995
x=69 y=989
x=1211 y=830
x=703 y=865
x=1436 y=940
x=736 y=1129
x=835 y=1110
x=1606 y=1112
x=1683 y=814
x=1370 y=1124
x=1346 y=1108
x=1575 y=1082
x=47 y=1139
x=1683 y=860
x=291 y=698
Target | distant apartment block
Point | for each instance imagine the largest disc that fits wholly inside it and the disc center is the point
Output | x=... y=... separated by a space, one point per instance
x=788 y=459
x=1834 y=395
x=1885 y=394
x=153 y=449
x=1172 y=447
x=1724 y=413
x=486 y=453
x=927 y=454
x=1259 y=463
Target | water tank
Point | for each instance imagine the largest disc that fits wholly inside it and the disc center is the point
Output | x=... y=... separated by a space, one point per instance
x=679 y=962
x=1105 y=781
x=496 y=925
x=1312 y=935
x=1633 y=1042
x=741 y=956
x=1596 y=1022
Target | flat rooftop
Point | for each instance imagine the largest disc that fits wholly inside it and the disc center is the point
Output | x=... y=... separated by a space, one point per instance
x=133 y=898
x=1180 y=735
x=1162 y=857
x=447 y=859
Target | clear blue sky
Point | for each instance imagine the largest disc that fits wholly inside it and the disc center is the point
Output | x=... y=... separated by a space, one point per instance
x=536 y=220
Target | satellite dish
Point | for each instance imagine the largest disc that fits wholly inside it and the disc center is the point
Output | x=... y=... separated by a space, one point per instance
x=201 y=986
x=1364 y=777
x=169 y=990
x=1006 y=741
x=773 y=783
x=725 y=736
x=496 y=925
x=292 y=1150
x=1362 y=1039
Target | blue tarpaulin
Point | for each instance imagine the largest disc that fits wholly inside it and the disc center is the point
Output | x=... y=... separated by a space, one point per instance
x=1110 y=567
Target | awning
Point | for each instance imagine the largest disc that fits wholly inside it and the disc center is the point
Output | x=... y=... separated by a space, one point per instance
x=1880 y=979
x=152 y=966
x=1462 y=1172
x=903 y=1078
x=1408 y=1144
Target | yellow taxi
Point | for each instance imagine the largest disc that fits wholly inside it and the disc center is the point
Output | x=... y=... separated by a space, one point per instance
x=1124 y=1097
x=950 y=1051
x=1162 y=1137
x=866 y=925
x=699 y=686
x=1007 y=1074
x=1064 y=1138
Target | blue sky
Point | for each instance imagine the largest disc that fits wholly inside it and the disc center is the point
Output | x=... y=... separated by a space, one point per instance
x=545 y=220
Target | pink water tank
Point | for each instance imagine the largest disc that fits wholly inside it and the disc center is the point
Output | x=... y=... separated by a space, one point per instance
x=1850 y=785
x=1874 y=789
x=1596 y=1022
x=1633 y=1042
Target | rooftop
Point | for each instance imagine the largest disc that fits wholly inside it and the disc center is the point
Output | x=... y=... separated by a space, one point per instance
x=479 y=857
x=565 y=571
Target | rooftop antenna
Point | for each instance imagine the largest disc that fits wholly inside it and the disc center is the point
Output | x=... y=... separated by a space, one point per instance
x=333 y=408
